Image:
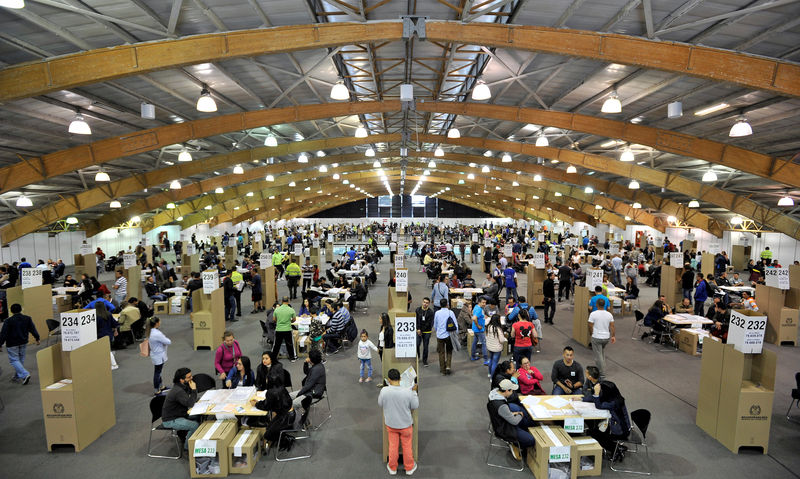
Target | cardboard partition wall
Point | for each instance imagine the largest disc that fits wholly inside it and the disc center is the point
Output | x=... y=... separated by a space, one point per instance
x=190 y=263
x=269 y=286
x=707 y=264
x=735 y=402
x=329 y=252
x=85 y=264
x=398 y=302
x=670 y=284
x=208 y=318
x=580 y=317
x=80 y=411
x=388 y=362
x=314 y=257
x=536 y=277
x=134 y=277
x=231 y=255
x=36 y=302
x=740 y=255
x=688 y=245
x=781 y=321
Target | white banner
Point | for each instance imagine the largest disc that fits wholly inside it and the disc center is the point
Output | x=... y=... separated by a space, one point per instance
x=474 y=237
x=676 y=260
x=30 y=277
x=264 y=260
x=746 y=333
x=594 y=277
x=405 y=335
x=298 y=249
x=777 y=277
x=78 y=328
x=86 y=248
x=399 y=261
x=210 y=281
x=401 y=280
x=714 y=247
x=128 y=260
x=538 y=260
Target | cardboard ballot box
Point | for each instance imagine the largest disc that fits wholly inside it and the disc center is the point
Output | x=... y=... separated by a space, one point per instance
x=555 y=449
x=208 y=448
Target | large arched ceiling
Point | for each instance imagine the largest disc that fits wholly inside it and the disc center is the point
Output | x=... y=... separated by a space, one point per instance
x=545 y=78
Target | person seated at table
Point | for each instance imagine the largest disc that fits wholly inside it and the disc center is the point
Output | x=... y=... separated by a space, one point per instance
x=654 y=319
x=722 y=319
x=722 y=279
x=270 y=372
x=453 y=282
x=529 y=378
x=313 y=385
x=341 y=282
x=152 y=290
x=684 y=307
x=179 y=400
x=506 y=370
x=127 y=317
x=736 y=281
x=240 y=375
x=592 y=374
x=281 y=415
x=108 y=304
x=631 y=290
x=508 y=424
x=748 y=302
x=606 y=396
x=69 y=281
x=567 y=374
x=336 y=328
x=357 y=293
x=468 y=282
x=305 y=308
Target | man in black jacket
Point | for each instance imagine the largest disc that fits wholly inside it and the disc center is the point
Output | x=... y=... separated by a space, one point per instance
x=687 y=281
x=424 y=328
x=230 y=299
x=509 y=422
x=181 y=398
x=549 y=293
x=15 y=336
x=564 y=281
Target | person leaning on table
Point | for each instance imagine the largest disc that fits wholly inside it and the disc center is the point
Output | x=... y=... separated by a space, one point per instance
x=179 y=400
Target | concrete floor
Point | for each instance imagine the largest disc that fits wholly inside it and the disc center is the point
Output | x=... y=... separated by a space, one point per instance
x=453 y=420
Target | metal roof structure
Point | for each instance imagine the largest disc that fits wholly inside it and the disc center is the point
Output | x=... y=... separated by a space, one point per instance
x=270 y=66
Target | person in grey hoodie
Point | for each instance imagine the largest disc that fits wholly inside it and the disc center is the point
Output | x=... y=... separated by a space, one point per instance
x=509 y=424
x=397 y=403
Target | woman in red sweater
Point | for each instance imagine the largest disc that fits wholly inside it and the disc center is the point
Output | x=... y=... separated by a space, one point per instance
x=529 y=378
x=227 y=354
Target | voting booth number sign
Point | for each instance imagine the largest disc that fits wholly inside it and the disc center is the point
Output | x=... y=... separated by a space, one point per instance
x=30 y=277
x=78 y=328
x=405 y=336
x=401 y=280
x=746 y=331
x=210 y=281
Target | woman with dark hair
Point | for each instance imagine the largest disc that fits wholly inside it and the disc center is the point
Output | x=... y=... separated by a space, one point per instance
x=280 y=416
x=653 y=318
x=158 y=352
x=240 y=374
x=495 y=339
x=106 y=324
x=386 y=335
x=270 y=372
x=605 y=395
x=314 y=384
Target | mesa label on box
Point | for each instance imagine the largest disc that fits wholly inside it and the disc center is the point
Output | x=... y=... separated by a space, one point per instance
x=573 y=425
x=559 y=454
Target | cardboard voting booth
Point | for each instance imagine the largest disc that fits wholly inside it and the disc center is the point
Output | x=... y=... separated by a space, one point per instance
x=688 y=245
x=269 y=287
x=36 y=302
x=554 y=449
x=536 y=277
x=208 y=318
x=740 y=255
x=208 y=448
x=190 y=263
x=77 y=393
x=398 y=302
x=580 y=317
x=231 y=254
x=134 y=277
x=392 y=361
x=781 y=321
x=85 y=264
x=671 y=283
x=735 y=396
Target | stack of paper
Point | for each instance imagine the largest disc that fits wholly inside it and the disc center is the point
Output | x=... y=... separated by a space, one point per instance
x=200 y=407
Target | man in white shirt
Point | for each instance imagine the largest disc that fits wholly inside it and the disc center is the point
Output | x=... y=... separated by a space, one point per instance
x=601 y=327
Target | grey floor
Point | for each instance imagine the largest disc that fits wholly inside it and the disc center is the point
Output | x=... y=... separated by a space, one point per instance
x=452 y=434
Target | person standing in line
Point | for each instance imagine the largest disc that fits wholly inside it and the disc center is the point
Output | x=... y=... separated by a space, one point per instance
x=308 y=275
x=601 y=327
x=14 y=335
x=479 y=331
x=564 y=281
x=293 y=274
x=158 y=353
x=121 y=287
x=440 y=292
x=424 y=328
x=549 y=293
x=238 y=286
x=444 y=322
x=510 y=277
x=397 y=403
x=256 y=293
x=284 y=315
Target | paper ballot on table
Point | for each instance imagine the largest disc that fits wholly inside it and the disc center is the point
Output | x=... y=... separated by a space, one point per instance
x=530 y=401
x=557 y=402
x=539 y=412
x=407 y=377
x=200 y=407
x=241 y=394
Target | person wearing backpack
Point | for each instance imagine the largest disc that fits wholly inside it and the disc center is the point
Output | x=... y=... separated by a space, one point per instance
x=444 y=322
x=524 y=337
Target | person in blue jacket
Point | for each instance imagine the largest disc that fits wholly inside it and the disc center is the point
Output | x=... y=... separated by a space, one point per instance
x=700 y=294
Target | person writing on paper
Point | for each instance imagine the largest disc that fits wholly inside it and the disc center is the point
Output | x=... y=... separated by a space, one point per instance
x=240 y=375
x=605 y=395
x=397 y=403
x=181 y=398
x=507 y=424
x=567 y=374
x=228 y=353
x=592 y=380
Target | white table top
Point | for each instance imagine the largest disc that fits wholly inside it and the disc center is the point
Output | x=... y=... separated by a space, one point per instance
x=466 y=290
x=738 y=289
x=66 y=289
x=176 y=290
x=684 y=318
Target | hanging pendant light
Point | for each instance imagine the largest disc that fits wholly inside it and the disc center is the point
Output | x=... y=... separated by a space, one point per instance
x=205 y=103
x=481 y=91
x=627 y=155
x=376 y=164
x=323 y=169
x=303 y=158
x=361 y=132
x=219 y=190
x=636 y=206
x=175 y=185
x=270 y=140
x=431 y=164
x=339 y=91
x=438 y=152
x=737 y=220
x=740 y=128
x=78 y=126
x=612 y=104
x=542 y=140
x=453 y=133
x=238 y=170
x=571 y=169
x=115 y=204
x=12 y=3
x=485 y=169
x=506 y=158
x=102 y=176
x=786 y=201
x=471 y=176
x=270 y=178
x=588 y=190
x=184 y=155
x=170 y=206
x=370 y=152
x=537 y=177
x=694 y=204
x=336 y=176
x=24 y=202
x=71 y=220
x=633 y=185
x=709 y=176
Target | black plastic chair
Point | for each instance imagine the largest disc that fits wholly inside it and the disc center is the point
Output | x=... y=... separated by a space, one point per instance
x=503 y=444
x=638 y=325
x=204 y=382
x=795 y=399
x=636 y=438
x=53 y=329
x=156 y=407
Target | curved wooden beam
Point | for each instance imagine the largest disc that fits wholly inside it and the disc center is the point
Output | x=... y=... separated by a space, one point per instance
x=69 y=71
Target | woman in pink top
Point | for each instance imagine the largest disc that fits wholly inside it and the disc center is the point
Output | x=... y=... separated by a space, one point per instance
x=529 y=378
x=227 y=354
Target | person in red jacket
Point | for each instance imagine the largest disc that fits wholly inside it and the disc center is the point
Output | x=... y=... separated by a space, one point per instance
x=227 y=354
x=529 y=378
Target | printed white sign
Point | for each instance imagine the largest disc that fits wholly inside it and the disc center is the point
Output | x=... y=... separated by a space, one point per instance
x=474 y=237
x=315 y=243
x=86 y=248
x=399 y=261
x=298 y=249
x=401 y=280
x=128 y=260
x=540 y=237
x=205 y=448
x=508 y=250
x=393 y=247
x=394 y=236
x=78 y=328
x=538 y=260
x=210 y=281
x=30 y=277
x=676 y=260
x=280 y=234
x=190 y=249
x=594 y=277
x=746 y=333
x=573 y=425
x=613 y=248
x=264 y=260
x=714 y=247
x=777 y=277
x=690 y=237
x=330 y=237
x=405 y=336
x=487 y=243
x=559 y=454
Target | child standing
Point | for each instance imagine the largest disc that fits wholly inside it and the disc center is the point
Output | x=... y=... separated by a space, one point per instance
x=365 y=356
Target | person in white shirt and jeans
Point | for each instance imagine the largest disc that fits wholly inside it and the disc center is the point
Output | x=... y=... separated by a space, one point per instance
x=601 y=327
